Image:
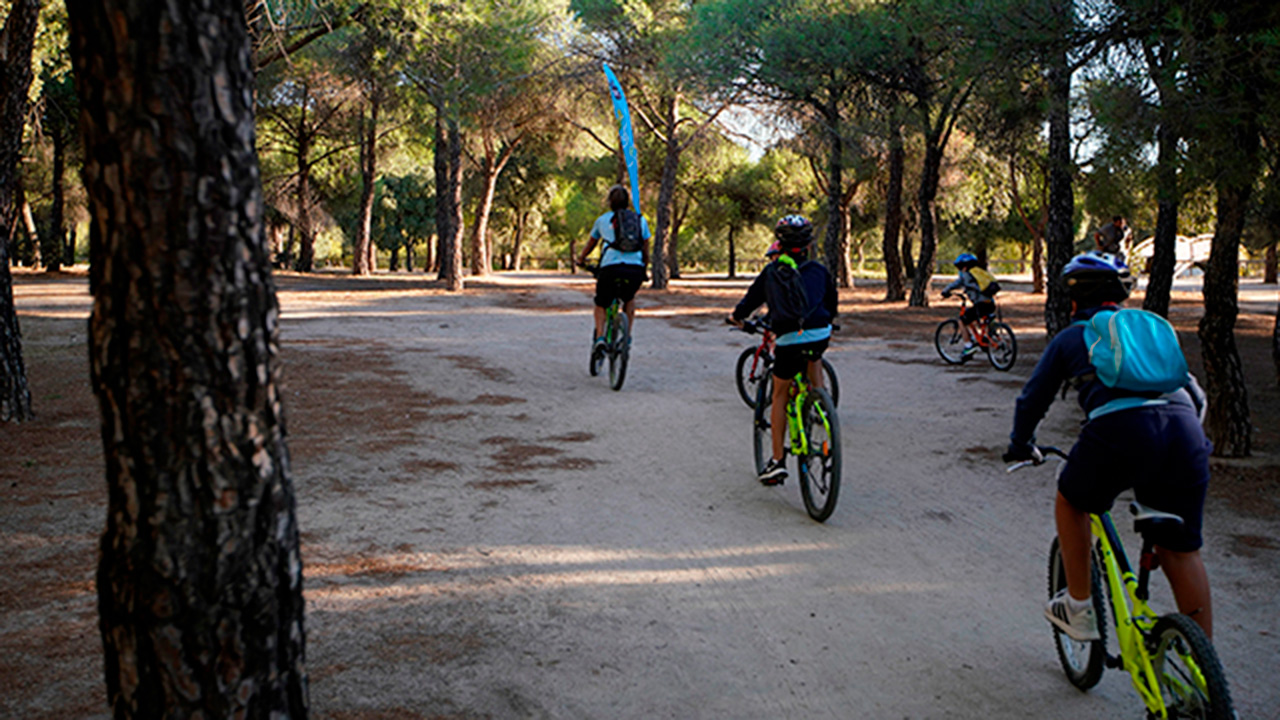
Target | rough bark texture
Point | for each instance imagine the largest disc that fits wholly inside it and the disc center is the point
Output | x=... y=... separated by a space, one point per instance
x=894 y=289
x=200 y=578
x=1058 y=234
x=1227 y=420
x=363 y=261
x=835 y=242
x=1269 y=269
x=448 y=156
x=57 y=231
x=16 y=43
x=926 y=201
x=481 y=258
x=306 y=234
x=1164 y=245
x=666 y=193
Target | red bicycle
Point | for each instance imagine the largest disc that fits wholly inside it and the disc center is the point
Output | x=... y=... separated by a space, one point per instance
x=989 y=334
x=755 y=363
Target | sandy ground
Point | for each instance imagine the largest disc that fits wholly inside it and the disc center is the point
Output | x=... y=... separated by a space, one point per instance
x=490 y=533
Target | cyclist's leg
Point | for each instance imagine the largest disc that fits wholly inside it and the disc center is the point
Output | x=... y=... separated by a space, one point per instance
x=1096 y=472
x=1075 y=539
x=813 y=354
x=629 y=282
x=778 y=414
x=968 y=318
x=604 y=296
x=1190 y=583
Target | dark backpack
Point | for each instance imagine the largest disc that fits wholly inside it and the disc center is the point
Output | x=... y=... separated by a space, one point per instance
x=626 y=231
x=785 y=294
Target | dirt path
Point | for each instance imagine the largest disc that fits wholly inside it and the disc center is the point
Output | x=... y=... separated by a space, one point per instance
x=488 y=532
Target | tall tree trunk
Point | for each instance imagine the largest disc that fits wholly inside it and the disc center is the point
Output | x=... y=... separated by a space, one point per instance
x=1058 y=234
x=1227 y=421
x=1164 y=244
x=517 y=245
x=673 y=244
x=733 y=254
x=29 y=226
x=894 y=290
x=481 y=260
x=1275 y=343
x=368 y=175
x=306 y=237
x=666 y=194
x=200 y=576
x=926 y=202
x=1269 y=268
x=1037 y=263
x=908 y=256
x=448 y=164
x=18 y=38
x=57 y=233
x=835 y=243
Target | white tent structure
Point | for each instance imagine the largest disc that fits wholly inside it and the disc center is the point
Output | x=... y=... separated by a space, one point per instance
x=1188 y=251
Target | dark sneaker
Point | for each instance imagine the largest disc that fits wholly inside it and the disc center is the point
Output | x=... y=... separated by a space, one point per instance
x=1081 y=626
x=775 y=471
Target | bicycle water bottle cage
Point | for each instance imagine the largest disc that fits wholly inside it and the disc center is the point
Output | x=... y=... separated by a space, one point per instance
x=1146 y=519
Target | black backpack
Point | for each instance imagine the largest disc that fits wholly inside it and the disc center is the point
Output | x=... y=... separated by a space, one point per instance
x=626 y=231
x=785 y=294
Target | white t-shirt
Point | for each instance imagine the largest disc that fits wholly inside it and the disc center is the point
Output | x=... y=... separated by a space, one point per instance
x=602 y=230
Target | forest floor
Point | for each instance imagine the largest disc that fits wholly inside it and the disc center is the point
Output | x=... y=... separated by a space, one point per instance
x=490 y=533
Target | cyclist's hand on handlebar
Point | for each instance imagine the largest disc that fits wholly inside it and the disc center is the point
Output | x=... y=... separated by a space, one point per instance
x=734 y=321
x=1023 y=453
x=946 y=294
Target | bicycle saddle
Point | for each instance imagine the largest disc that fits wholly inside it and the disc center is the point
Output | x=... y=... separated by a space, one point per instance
x=1145 y=518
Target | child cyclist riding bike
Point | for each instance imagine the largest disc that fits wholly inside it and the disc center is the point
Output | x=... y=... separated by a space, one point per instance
x=625 y=237
x=1149 y=441
x=801 y=296
x=978 y=293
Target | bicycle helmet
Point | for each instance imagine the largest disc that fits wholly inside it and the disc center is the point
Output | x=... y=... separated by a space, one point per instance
x=793 y=232
x=1094 y=277
x=774 y=250
x=964 y=259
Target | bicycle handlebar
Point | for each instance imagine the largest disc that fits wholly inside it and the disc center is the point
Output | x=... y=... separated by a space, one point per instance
x=1041 y=455
x=751 y=327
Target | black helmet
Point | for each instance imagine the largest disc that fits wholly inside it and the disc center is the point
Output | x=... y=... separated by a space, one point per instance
x=1094 y=277
x=793 y=232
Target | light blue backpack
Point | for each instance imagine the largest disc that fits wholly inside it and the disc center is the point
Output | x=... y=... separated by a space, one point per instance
x=1135 y=350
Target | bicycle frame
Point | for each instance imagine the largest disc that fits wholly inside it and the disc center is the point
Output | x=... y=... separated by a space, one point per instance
x=795 y=424
x=979 y=327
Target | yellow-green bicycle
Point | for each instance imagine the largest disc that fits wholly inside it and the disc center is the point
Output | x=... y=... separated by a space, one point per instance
x=1172 y=663
x=813 y=436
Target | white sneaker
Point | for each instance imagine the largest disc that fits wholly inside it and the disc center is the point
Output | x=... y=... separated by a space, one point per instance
x=1079 y=625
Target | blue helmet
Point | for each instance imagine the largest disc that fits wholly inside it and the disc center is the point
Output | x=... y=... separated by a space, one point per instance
x=965 y=259
x=1094 y=277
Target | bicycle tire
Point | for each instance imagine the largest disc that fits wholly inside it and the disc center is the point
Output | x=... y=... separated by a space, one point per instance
x=820 y=466
x=1082 y=662
x=747 y=381
x=620 y=352
x=949 y=340
x=761 y=428
x=1174 y=638
x=832 y=382
x=1003 y=350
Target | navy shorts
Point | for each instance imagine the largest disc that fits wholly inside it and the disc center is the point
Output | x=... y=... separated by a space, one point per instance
x=790 y=360
x=978 y=310
x=620 y=281
x=1161 y=452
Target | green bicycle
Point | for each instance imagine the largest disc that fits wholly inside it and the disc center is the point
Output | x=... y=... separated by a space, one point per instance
x=617 y=341
x=813 y=436
x=1172 y=663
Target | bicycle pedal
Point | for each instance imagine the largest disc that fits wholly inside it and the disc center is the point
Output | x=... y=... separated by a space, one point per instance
x=1113 y=662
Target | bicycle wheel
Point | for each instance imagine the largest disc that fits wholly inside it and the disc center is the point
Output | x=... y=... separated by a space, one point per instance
x=597 y=357
x=1192 y=683
x=949 y=339
x=831 y=382
x=761 y=427
x=749 y=378
x=1083 y=662
x=1003 y=350
x=619 y=351
x=820 y=466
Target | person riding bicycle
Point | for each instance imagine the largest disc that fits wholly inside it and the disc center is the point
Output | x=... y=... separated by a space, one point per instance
x=801 y=295
x=982 y=303
x=625 y=237
x=1149 y=442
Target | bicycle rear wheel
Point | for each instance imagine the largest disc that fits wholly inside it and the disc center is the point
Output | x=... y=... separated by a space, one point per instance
x=1003 y=350
x=949 y=340
x=832 y=383
x=1083 y=662
x=761 y=427
x=1192 y=683
x=820 y=466
x=619 y=351
x=750 y=371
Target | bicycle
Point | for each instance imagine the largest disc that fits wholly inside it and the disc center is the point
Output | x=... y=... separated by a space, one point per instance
x=813 y=436
x=756 y=362
x=989 y=333
x=1171 y=662
x=617 y=340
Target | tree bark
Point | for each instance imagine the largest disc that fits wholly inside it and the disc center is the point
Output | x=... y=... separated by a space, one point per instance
x=1165 y=242
x=363 y=250
x=666 y=194
x=1269 y=269
x=908 y=256
x=894 y=290
x=1058 y=233
x=18 y=38
x=200 y=577
x=835 y=242
x=306 y=237
x=926 y=202
x=481 y=259
x=57 y=231
x=733 y=254
x=448 y=196
x=1227 y=421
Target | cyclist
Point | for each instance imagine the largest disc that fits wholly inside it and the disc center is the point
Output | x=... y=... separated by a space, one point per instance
x=1113 y=238
x=621 y=271
x=982 y=304
x=1159 y=449
x=801 y=336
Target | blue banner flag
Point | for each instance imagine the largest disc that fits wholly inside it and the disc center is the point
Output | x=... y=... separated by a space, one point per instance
x=625 y=134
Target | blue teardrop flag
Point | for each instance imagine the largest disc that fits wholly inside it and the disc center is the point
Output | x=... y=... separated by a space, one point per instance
x=625 y=134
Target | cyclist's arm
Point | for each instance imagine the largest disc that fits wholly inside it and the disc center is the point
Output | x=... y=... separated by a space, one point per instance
x=955 y=285
x=754 y=298
x=591 y=245
x=1039 y=392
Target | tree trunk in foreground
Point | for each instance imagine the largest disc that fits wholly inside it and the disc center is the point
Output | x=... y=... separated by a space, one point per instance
x=1164 y=244
x=199 y=579
x=1058 y=234
x=893 y=288
x=1227 y=421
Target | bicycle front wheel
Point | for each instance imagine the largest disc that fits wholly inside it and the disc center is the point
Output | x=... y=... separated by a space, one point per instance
x=620 y=351
x=1082 y=662
x=761 y=427
x=750 y=371
x=949 y=339
x=1003 y=350
x=820 y=466
x=1192 y=683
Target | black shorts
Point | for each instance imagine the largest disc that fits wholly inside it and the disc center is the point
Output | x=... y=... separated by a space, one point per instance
x=618 y=281
x=1161 y=452
x=977 y=310
x=790 y=360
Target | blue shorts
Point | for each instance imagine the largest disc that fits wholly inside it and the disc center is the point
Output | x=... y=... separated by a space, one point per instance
x=1161 y=452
